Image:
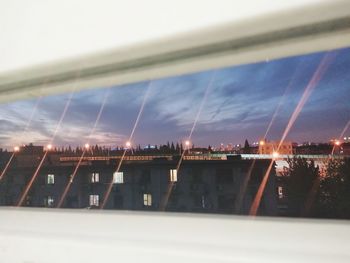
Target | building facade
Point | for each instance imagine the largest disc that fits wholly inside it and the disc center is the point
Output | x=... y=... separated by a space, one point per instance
x=272 y=147
x=208 y=186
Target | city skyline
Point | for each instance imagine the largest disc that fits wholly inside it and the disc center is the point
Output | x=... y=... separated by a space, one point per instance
x=240 y=103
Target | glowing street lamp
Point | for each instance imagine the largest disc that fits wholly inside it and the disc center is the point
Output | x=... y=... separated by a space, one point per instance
x=275 y=154
x=49 y=147
x=16 y=149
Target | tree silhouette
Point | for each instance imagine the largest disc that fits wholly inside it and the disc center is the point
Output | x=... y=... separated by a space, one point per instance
x=334 y=194
x=246 y=148
x=177 y=147
x=301 y=178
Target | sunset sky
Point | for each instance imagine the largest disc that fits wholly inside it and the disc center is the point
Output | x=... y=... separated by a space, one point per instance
x=240 y=103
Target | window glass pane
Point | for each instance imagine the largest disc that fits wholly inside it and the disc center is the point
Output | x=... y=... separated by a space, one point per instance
x=173 y=175
x=118 y=177
x=50 y=179
x=95 y=177
x=94 y=200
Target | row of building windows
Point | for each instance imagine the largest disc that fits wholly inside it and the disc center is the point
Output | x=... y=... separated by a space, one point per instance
x=118 y=177
x=94 y=200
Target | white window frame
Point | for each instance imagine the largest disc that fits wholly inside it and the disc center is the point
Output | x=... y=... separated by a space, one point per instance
x=173 y=175
x=118 y=177
x=147 y=199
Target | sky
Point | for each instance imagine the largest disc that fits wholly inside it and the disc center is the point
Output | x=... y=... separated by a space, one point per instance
x=239 y=104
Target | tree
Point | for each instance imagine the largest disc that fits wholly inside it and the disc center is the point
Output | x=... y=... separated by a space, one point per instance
x=246 y=148
x=177 y=148
x=302 y=178
x=334 y=195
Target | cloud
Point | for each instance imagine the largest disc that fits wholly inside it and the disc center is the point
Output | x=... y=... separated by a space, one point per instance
x=239 y=105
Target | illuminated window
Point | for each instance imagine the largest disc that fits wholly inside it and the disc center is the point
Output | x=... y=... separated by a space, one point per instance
x=118 y=178
x=50 y=179
x=280 y=192
x=173 y=175
x=49 y=201
x=94 y=200
x=95 y=177
x=147 y=199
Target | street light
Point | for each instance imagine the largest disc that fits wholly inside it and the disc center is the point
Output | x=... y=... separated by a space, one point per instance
x=275 y=154
x=261 y=142
x=337 y=142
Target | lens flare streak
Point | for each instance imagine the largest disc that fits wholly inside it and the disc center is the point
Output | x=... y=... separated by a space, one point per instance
x=46 y=152
x=30 y=183
x=341 y=136
x=257 y=200
x=243 y=189
x=30 y=118
x=21 y=136
x=320 y=71
x=66 y=106
x=7 y=166
x=110 y=184
x=316 y=184
x=71 y=180
x=165 y=200
x=280 y=103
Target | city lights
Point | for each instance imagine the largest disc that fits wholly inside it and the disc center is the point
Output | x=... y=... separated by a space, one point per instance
x=16 y=149
x=275 y=154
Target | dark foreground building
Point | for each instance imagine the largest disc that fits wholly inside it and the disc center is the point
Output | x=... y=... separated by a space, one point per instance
x=143 y=183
